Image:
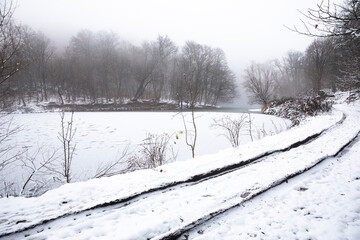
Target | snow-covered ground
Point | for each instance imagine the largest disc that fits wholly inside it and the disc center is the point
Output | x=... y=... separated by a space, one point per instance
x=308 y=206
x=101 y=136
x=323 y=203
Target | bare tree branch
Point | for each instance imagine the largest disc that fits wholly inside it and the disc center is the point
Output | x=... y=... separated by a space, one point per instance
x=10 y=42
x=114 y=167
x=330 y=20
x=8 y=152
x=37 y=170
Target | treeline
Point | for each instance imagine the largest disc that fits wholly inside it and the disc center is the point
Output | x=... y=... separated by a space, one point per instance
x=99 y=67
x=331 y=61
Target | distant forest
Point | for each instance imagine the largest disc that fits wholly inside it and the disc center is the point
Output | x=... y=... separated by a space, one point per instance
x=99 y=67
x=331 y=61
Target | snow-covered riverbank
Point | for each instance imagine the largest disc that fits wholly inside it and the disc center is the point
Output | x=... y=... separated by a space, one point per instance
x=101 y=137
x=80 y=196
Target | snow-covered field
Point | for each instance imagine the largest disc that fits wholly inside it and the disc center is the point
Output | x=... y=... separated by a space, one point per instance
x=322 y=203
x=101 y=136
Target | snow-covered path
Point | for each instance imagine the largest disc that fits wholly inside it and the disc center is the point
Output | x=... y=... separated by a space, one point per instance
x=323 y=203
x=160 y=214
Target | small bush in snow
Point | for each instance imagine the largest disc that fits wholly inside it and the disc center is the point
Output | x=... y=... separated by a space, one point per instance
x=231 y=127
x=153 y=152
x=297 y=109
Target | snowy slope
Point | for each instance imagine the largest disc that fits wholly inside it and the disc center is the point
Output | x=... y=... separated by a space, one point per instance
x=94 y=192
x=164 y=213
x=323 y=203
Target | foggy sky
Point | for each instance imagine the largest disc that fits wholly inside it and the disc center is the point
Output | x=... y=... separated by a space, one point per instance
x=246 y=30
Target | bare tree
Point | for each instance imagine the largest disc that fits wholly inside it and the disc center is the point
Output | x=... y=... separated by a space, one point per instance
x=291 y=81
x=232 y=127
x=317 y=62
x=10 y=42
x=83 y=65
x=122 y=73
x=193 y=62
x=150 y=65
x=191 y=65
x=342 y=23
x=107 y=55
x=260 y=82
x=38 y=52
x=177 y=85
x=60 y=75
x=165 y=50
x=347 y=64
x=203 y=75
x=66 y=137
x=143 y=65
x=191 y=134
x=349 y=75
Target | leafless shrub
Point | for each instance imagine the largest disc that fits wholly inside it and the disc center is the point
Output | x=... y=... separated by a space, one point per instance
x=277 y=128
x=262 y=132
x=66 y=137
x=296 y=109
x=153 y=152
x=232 y=128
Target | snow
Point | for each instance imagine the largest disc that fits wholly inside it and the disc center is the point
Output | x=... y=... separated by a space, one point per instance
x=323 y=203
x=280 y=212
x=255 y=110
x=101 y=136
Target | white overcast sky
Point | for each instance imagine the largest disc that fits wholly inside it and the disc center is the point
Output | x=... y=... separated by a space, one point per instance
x=251 y=30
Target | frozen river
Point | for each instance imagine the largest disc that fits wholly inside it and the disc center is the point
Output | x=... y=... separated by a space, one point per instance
x=101 y=136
